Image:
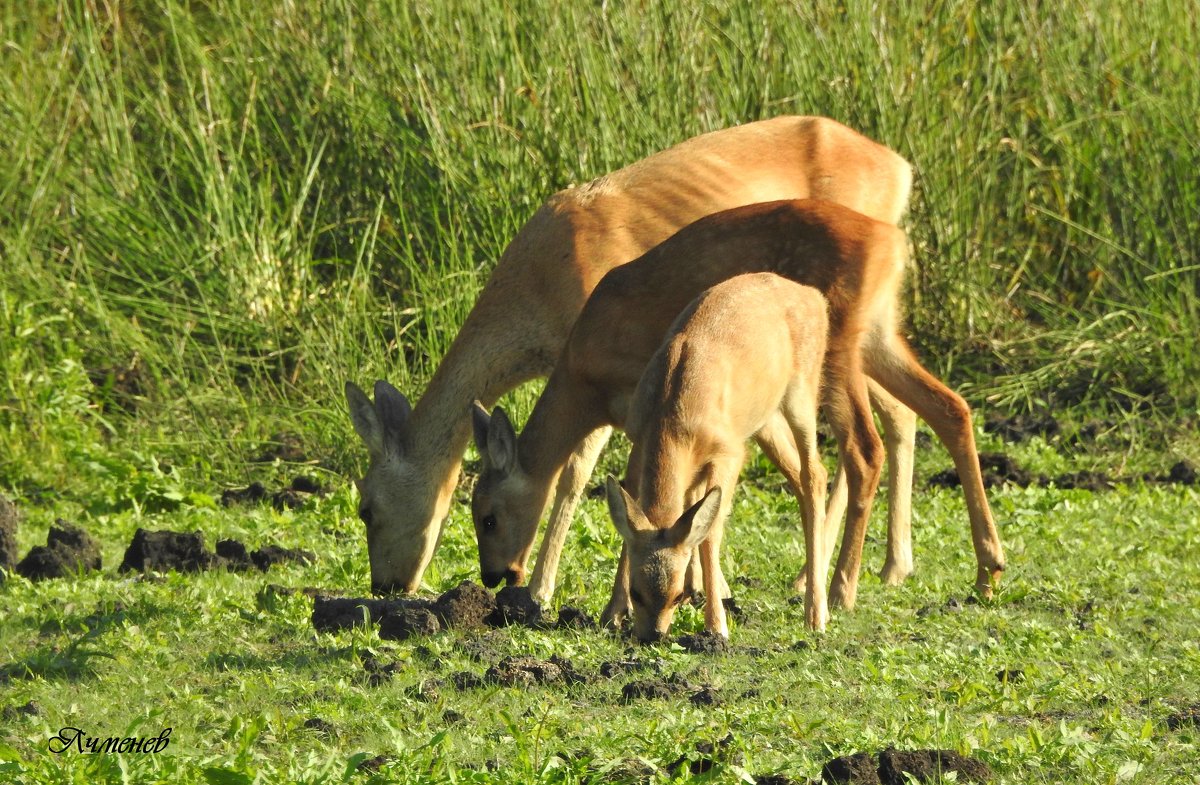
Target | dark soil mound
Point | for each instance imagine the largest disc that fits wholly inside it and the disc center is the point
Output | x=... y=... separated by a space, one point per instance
x=1020 y=427
x=466 y=605
x=514 y=605
x=168 y=550
x=648 y=689
x=8 y=535
x=708 y=755
x=570 y=675
x=465 y=680
x=704 y=643
x=30 y=709
x=489 y=647
x=705 y=696
x=1184 y=717
x=523 y=672
x=378 y=672
x=68 y=550
x=860 y=768
x=341 y=613
x=402 y=623
x=234 y=555
x=998 y=469
x=254 y=492
x=269 y=555
x=929 y=766
x=1085 y=480
x=613 y=668
x=774 y=779
x=1183 y=473
x=571 y=618
x=900 y=767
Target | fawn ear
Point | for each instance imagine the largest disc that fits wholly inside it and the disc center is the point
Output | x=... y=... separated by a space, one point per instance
x=392 y=410
x=499 y=446
x=697 y=521
x=626 y=514
x=366 y=423
x=479 y=424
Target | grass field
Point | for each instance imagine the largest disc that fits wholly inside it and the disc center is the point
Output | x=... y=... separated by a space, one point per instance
x=213 y=214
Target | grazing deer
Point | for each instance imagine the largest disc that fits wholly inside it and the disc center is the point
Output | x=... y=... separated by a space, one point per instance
x=744 y=353
x=855 y=261
x=524 y=314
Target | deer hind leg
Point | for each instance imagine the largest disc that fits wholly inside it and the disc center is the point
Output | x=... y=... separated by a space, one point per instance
x=899 y=440
x=891 y=362
x=571 y=482
x=861 y=455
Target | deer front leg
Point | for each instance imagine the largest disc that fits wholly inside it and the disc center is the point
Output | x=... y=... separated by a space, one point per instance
x=899 y=439
x=571 y=482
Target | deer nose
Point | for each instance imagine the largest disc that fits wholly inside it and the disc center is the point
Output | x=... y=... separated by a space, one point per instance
x=492 y=578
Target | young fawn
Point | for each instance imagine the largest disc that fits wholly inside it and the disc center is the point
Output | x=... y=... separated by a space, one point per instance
x=856 y=262
x=746 y=352
x=523 y=315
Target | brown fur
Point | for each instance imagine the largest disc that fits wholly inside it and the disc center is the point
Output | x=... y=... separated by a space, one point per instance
x=746 y=353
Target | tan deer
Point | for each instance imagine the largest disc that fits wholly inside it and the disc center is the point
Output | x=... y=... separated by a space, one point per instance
x=744 y=353
x=855 y=261
x=524 y=314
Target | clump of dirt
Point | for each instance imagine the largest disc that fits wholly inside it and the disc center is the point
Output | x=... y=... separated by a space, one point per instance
x=167 y=550
x=704 y=643
x=708 y=755
x=30 y=709
x=998 y=469
x=235 y=555
x=571 y=618
x=901 y=767
x=705 y=696
x=774 y=779
x=1020 y=427
x=929 y=766
x=9 y=518
x=570 y=674
x=269 y=555
x=372 y=765
x=465 y=680
x=295 y=495
x=1183 y=473
x=1010 y=675
x=613 y=668
x=656 y=689
x=485 y=648
x=341 y=613
x=378 y=672
x=515 y=605
x=734 y=610
x=523 y=672
x=252 y=493
x=467 y=605
x=68 y=550
x=1189 y=715
x=1085 y=480
x=402 y=623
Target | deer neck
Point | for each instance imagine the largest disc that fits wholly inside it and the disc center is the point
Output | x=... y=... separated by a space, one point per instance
x=560 y=420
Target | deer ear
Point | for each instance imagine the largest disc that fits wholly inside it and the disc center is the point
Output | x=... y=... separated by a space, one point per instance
x=366 y=423
x=479 y=423
x=697 y=521
x=626 y=514
x=501 y=442
x=392 y=410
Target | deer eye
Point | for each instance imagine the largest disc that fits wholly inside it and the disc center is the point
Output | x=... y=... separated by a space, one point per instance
x=489 y=523
x=679 y=599
x=364 y=513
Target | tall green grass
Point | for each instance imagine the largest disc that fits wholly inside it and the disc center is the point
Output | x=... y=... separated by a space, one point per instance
x=251 y=202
